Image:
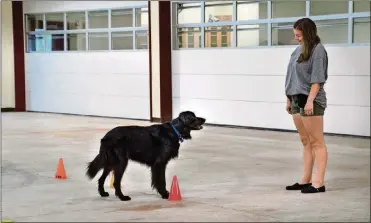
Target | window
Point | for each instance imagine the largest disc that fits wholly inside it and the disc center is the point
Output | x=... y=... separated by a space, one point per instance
x=253 y=23
x=361 y=6
x=252 y=35
x=219 y=36
x=328 y=7
x=361 y=30
x=75 y=20
x=34 y=22
x=54 y=42
x=76 y=42
x=141 y=38
x=333 y=31
x=188 y=13
x=98 y=41
x=98 y=19
x=35 y=43
x=189 y=38
x=127 y=29
x=284 y=9
x=218 y=11
x=122 y=40
x=141 y=17
x=122 y=18
x=282 y=34
x=250 y=10
x=54 y=21
x=180 y=41
x=34 y=27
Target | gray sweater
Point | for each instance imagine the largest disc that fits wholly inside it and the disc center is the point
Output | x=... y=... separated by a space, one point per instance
x=300 y=76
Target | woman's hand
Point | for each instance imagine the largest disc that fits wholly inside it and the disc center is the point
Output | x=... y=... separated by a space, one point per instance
x=308 y=109
x=288 y=106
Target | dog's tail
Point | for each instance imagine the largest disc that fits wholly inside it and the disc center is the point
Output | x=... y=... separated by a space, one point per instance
x=94 y=166
x=99 y=161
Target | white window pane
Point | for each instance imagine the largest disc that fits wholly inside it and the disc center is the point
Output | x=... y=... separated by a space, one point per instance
x=328 y=7
x=141 y=17
x=122 y=40
x=361 y=6
x=35 y=22
x=54 y=42
x=35 y=43
x=189 y=13
x=54 y=21
x=122 y=18
x=218 y=11
x=98 y=19
x=247 y=10
x=220 y=36
x=98 y=41
x=75 y=20
x=282 y=34
x=189 y=37
x=361 y=30
x=252 y=35
x=141 y=38
x=76 y=41
x=333 y=31
x=284 y=9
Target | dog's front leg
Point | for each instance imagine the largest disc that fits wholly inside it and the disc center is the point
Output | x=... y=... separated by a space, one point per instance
x=158 y=179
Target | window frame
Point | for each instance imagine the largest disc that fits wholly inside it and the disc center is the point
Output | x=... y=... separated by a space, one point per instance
x=134 y=29
x=350 y=16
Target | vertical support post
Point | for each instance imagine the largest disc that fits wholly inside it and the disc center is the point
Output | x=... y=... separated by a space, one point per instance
x=19 y=61
x=165 y=60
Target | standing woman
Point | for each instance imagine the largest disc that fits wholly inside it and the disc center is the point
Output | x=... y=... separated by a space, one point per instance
x=306 y=102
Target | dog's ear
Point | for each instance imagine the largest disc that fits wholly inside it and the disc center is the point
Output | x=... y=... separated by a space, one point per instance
x=187 y=117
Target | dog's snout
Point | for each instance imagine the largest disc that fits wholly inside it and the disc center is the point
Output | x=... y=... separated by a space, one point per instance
x=202 y=120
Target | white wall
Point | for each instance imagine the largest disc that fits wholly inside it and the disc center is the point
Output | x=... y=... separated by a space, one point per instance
x=245 y=87
x=90 y=83
x=155 y=44
x=61 y=6
x=7 y=57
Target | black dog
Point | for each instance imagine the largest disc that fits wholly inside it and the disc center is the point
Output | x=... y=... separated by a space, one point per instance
x=153 y=146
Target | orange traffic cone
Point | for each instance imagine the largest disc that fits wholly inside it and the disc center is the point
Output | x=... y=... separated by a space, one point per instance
x=112 y=179
x=175 y=191
x=61 y=172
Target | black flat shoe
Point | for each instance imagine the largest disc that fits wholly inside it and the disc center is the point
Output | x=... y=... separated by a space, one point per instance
x=298 y=186
x=311 y=189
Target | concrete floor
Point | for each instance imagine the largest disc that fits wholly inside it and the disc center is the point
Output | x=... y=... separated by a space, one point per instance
x=224 y=175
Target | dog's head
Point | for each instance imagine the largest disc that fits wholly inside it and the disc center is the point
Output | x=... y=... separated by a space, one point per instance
x=188 y=121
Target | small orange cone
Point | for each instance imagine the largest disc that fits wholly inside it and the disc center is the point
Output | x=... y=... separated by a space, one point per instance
x=112 y=179
x=61 y=172
x=175 y=191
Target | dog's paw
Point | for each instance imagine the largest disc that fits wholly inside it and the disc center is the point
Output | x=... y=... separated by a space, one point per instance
x=123 y=197
x=165 y=195
x=104 y=194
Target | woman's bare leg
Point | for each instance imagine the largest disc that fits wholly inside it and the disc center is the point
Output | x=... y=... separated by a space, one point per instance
x=308 y=152
x=314 y=127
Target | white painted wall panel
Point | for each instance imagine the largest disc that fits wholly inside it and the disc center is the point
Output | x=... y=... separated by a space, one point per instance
x=112 y=84
x=7 y=58
x=246 y=87
x=61 y=6
x=106 y=84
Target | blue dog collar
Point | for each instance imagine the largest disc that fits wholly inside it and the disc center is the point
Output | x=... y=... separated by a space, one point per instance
x=177 y=132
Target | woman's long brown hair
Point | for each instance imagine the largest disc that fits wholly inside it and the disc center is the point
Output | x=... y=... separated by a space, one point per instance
x=310 y=37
